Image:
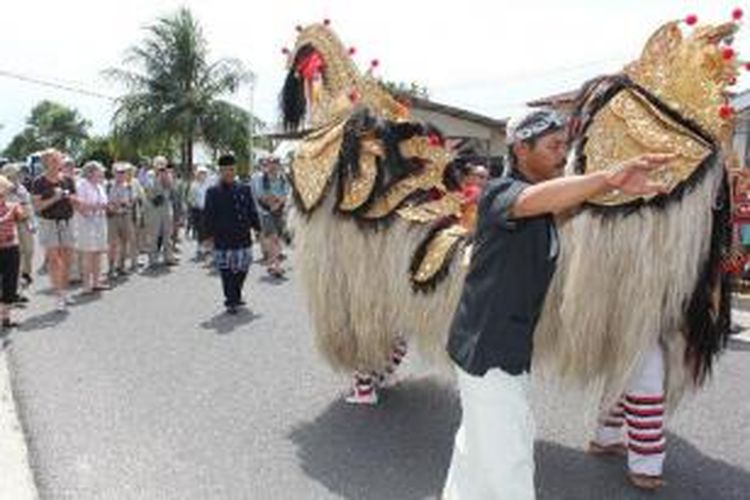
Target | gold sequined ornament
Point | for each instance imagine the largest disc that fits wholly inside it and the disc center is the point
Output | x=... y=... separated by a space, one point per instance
x=689 y=75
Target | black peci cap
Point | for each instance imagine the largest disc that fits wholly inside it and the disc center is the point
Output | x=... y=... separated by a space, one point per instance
x=227 y=160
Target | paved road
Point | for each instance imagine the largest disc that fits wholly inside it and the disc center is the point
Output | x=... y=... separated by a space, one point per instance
x=151 y=392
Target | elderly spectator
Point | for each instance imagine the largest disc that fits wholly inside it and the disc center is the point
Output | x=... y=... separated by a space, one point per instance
x=271 y=191
x=197 y=202
x=159 y=214
x=92 y=225
x=10 y=215
x=19 y=194
x=179 y=203
x=139 y=179
x=121 y=222
x=53 y=196
x=69 y=171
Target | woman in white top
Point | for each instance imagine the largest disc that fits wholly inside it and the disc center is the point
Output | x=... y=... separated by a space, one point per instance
x=91 y=238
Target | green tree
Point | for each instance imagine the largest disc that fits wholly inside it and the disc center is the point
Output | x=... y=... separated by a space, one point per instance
x=412 y=89
x=176 y=94
x=23 y=144
x=50 y=124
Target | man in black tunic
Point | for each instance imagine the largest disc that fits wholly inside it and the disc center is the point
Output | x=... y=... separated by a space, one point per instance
x=512 y=263
x=229 y=215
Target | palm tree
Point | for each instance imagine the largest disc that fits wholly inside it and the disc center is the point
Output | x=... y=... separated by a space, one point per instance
x=175 y=93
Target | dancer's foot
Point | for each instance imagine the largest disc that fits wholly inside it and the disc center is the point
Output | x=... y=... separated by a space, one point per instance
x=369 y=398
x=646 y=482
x=615 y=449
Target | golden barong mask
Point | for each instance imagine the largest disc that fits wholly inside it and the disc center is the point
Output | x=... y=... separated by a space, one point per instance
x=352 y=130
x=671 y=100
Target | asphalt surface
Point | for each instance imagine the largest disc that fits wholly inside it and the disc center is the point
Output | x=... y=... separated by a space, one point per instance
x=152 y=392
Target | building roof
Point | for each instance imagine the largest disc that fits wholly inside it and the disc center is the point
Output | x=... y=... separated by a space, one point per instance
x=420 y=104
x=462 y=114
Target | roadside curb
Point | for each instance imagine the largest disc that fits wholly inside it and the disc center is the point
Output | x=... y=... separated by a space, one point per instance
x=16 y=478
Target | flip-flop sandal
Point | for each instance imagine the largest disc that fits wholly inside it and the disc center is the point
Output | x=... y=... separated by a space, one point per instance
x=645 y=482
x=612 y=450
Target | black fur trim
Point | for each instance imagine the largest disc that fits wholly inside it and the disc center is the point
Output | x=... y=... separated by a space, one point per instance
x=390 y=169
x=360 y=124
x=292 y=98
x=421 y=252
x=707 y=335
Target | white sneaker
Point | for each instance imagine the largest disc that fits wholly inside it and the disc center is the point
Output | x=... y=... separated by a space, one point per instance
x=69 y=301
x=358 y=398
x=62 y=305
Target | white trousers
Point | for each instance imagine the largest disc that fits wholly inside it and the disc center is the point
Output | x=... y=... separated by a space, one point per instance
x=493 y=452
x=641 y=413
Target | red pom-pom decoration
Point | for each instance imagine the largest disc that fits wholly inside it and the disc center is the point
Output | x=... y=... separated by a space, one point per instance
x=727 y=53
x=726 y=111
x=374 y=63
x=354 y=96
x=434 y=140
x=352 y=51
x=747 y=66
x=691 y=20
x=298 y=28
x=326 y=22
x=737 y=14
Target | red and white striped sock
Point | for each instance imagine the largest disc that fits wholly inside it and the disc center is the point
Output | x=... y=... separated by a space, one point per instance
x=611 y=421
x=644 y=415
x=397 y=356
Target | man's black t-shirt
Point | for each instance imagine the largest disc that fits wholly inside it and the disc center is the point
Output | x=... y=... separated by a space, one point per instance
x=512 y=264
x=61 y=209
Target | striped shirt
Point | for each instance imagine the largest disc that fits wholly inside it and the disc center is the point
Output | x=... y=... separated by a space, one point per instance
x=10 y=213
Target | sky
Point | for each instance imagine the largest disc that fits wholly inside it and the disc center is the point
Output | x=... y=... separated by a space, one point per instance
x=486 y=56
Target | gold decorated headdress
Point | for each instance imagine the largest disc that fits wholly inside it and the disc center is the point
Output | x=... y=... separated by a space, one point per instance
x=673 y=100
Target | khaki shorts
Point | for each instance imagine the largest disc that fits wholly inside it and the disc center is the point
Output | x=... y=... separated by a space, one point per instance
x=56 y=233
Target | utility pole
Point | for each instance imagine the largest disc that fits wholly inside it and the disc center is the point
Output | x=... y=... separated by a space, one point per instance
x=252 y=79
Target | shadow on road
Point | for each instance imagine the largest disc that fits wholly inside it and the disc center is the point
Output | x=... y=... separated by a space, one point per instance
x=565 y=473
x=47 y=320
x=273 y=280
x=223 y=323
x=5 y=340
x=399 y=449
x=85 y=298
x=738 y=345
x=157 y=271
x=402 y=450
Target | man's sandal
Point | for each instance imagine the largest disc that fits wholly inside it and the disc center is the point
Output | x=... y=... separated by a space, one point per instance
x=646 y=482
x=600 y=450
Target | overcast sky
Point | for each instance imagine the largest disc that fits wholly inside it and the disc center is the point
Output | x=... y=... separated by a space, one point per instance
x=487 y=56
